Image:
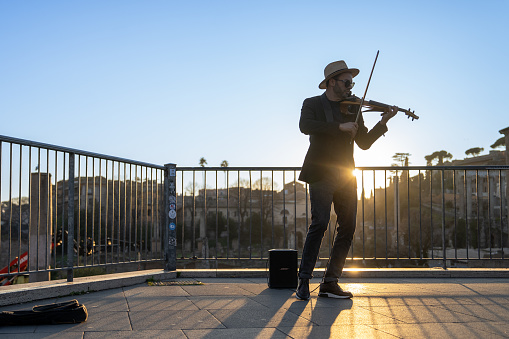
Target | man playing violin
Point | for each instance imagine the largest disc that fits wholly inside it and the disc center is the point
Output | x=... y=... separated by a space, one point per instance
x=328 y=169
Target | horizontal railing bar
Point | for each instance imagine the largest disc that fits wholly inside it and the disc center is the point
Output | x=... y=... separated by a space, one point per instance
x=24 y=142
x=242 y=169
x=361 y=168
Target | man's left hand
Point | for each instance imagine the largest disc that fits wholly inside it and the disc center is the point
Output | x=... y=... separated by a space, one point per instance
x=389 y=114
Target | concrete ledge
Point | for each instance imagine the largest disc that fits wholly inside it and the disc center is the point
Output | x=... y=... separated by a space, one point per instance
x=358 y=273
x=16 y=294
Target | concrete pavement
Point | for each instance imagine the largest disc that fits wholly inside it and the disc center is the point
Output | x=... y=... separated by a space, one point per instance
x=246 y=308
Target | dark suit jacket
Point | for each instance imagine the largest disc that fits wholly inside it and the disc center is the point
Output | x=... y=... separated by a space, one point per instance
x=329 y=148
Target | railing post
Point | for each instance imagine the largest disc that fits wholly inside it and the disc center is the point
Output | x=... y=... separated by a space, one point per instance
x=170 y=203
x=70 y=220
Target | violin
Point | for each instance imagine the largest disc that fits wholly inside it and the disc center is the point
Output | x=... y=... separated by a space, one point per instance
x=352 y=105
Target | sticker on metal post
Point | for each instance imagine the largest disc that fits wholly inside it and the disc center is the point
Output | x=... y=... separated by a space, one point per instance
x=173 y=199
x=173 y=172
x=172 y=206
x=172 y=214
x=172 y=226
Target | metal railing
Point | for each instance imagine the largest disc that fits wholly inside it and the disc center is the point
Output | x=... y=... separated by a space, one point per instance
x=64 y=209
x=407 y=216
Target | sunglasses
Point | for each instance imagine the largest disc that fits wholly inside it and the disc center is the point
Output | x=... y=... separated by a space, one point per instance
x=347 y=83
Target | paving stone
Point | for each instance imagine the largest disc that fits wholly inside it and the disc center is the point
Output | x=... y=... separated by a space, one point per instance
x=244 y=333
x=343 y=331
x=253 y=318
x=142 y=334
x=224 y=302
x=172 y=320
x=443 y=330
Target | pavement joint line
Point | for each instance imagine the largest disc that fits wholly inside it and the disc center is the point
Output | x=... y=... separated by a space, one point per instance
x=16 y=294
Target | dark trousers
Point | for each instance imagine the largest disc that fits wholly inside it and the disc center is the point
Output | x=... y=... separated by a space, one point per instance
x=342 y=192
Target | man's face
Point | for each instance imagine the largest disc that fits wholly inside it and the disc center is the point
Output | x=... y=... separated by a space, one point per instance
x=339 y=88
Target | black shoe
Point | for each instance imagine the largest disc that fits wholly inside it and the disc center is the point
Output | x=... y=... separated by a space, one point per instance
x=332 y=290
x=302 y=292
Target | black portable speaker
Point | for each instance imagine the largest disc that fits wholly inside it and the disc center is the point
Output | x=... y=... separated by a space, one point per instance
x=283 y=268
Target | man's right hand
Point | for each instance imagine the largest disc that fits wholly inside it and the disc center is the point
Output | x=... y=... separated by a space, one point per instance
x=350 y=128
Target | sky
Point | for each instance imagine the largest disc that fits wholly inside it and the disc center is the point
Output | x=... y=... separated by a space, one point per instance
x=173 y=81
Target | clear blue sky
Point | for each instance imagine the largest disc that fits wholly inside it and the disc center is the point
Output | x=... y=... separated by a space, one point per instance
x=173 y=81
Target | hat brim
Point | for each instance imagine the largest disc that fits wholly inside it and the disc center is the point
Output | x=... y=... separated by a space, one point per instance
x=354 y=72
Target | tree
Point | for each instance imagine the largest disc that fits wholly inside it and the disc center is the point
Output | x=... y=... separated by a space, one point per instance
x=474 y=151
x=499 y=143
x=224 y=163
x=203 y=162
x=440 y=155
x=401 y=158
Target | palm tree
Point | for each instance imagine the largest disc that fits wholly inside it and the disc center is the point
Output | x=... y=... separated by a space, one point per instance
x=203 y=162
x=225 y=163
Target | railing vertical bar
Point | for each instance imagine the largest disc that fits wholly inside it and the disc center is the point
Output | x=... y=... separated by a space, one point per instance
x=501 y=212
x=261 y=214
x=272 y=208
x=205 y=240
x=363 y=224
x=238 y=214
x=30 y=222
x=408 y=213
x=64 y=172
x=488 y=183
x=145 y=213
x=444 y=247
x=386 y=232
x=467 y=226
x=93 y=211
x=152 y=225
x=478 y=195
x=217 y=218
x=455 y=216
x=227 y=214
x=131 y=199
x=99 y=223
x=55 y=213
x=396 y=204
x=250 y=216
x=431 y=212
x=374 y=214
x=78 y=236
x=38 y=206
x=183 y=228
x=119 y=211
x=70 y=220
x=124 y=247
x=85 y=239
x=20 y=206
x=420 y=215
x=295 y=209
x=137 y=243
x=285 y=241
x=106 y=215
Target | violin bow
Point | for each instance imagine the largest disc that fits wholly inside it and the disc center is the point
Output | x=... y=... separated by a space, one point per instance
x=366 y=90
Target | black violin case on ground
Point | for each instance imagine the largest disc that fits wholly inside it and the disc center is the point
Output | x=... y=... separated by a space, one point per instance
x=67 y=312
